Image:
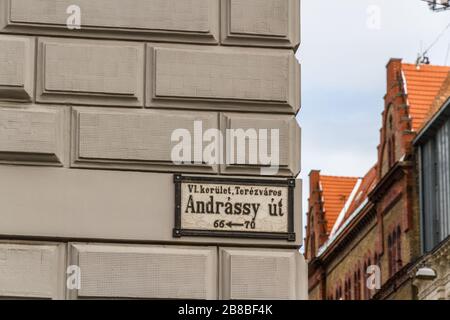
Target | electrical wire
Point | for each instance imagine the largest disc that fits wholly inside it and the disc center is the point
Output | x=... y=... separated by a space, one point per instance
x=447 y=54
x=437 y=39
x=423 y=56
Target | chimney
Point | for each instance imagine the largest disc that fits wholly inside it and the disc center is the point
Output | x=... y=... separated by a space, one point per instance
x=394 y=68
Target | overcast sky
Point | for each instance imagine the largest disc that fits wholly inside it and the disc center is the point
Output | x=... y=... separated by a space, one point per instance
x=343 y=53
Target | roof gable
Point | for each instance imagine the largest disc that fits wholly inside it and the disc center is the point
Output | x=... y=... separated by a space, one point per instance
x=422 y=84
x=335 y=194
x=367 y=184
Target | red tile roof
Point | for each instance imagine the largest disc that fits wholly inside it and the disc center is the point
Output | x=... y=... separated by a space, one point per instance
x=335 y=193
x=425 y=86
x=367 y=184
x=422 y=84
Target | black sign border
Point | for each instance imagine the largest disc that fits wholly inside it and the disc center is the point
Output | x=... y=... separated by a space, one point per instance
x=178 y=232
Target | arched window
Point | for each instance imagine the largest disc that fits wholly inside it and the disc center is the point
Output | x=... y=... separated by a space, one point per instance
x=395 y=251
x=399 y=262
x=367 y=293
x=345 y=290
x=390 y=256
x=390 y=141
x=393 y=149
x=339 y=291
x=357 y=284
x=364 y=279
x=389 y=150
x=376 y=260
x=348 y=289
x=313 y=244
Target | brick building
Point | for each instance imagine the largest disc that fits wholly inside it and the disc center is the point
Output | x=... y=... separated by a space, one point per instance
x=374 y=221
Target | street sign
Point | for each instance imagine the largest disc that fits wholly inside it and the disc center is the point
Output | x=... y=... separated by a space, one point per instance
x=239 y=208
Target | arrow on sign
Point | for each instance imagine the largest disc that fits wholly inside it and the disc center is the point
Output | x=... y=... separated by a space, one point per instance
x=231 y=225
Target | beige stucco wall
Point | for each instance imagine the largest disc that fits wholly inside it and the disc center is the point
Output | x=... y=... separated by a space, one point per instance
x=86 y=117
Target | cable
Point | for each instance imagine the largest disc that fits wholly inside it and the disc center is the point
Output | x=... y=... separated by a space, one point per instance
x=437 y=39
x=423 y=57
x=446 y=55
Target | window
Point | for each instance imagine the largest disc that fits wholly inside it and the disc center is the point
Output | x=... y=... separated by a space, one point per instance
x=339 y=292
x=364 y=284
x=345 y=291
x=395 y=251
x=393 y=150
x=367 y=294
x=348 y=289
x=390 y=153
x=390 y=255
x=357 y=284
x=376 y=260
x=399 y=262
x=390 y=138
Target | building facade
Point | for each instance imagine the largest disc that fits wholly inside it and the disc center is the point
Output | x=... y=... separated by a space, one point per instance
x=364 y=234
x=91 y=93
x=431 y=273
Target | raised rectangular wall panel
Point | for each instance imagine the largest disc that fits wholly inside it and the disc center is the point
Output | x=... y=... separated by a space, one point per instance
x=90 y=72
x=272 y=23
x=136 y=139
x=103 y=205
x=262 y=127
x=158 y=20
x=262 y=274
x=32 y=270
x=17 y=68
x=32 y=135
x=221 y=78
x=3 y=14
x=152 y=272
